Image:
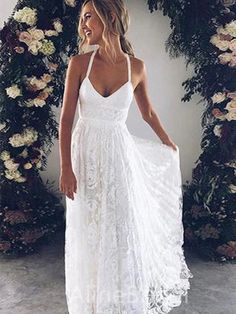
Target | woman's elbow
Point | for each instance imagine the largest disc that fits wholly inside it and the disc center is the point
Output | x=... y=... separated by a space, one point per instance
x=147 y=116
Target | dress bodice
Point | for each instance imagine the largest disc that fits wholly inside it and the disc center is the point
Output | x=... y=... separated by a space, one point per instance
x=113 y=108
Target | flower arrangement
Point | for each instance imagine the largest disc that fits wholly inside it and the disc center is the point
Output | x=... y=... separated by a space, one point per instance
x=209 y=44
x=36 y=45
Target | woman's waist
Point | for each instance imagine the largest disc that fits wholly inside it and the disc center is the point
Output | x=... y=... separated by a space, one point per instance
x=101 y=122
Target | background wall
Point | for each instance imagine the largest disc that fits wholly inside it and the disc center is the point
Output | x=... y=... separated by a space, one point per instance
x=148 y=33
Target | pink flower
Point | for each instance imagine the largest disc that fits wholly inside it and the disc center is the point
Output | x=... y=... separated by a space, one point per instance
x=25 y=37
x=4 y=245
x=43 y=95
x=225 y=37
x=217 y=113
x=19 y=49
x=15 y=216
x=231 y=95
x=228 y=249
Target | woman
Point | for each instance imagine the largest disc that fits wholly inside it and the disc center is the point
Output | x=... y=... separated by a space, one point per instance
x=124 y=233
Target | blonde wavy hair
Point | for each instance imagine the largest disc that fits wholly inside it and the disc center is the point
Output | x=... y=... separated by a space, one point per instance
x=121 y=24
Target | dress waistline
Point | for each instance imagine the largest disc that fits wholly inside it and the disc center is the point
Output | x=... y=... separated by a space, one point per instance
x=102 y=122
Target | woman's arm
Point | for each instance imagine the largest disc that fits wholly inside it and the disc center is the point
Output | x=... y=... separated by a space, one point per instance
x=70 y=98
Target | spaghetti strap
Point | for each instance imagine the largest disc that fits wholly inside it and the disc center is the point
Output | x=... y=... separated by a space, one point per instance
x=129 y=67
x=90 y=62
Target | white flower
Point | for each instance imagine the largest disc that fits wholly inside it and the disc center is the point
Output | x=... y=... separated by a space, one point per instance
x=221 y=30
x=34 y=47
x=219 y=43
x=217 y=130
x=12 y=174
x=30 y=136
x=222 y=117
x=5 y=155
x=20 y=179
x=231 y=105
x=228 y=3
x=225 y=57
x=71 y=3
x=26 y=15
x=57 y=25
x=32 y=38
x=218 y=97
x=10 y=164
x=2 y=126
x=39 y=102
x=39 y=164
x=50 y=33
x=13 y=91
x=46 y=78
x=28 y=165
x=37 y=34
x=48 y=90
x=232 y=45
x=27 y=137
x=223 y=45
x=29 y=103
x=231 y=164
x=231 y=28
x=39 y=84
x=24 y=153
x=232 y=188
x=215 y=39
x=231 y=115
x=16 y=140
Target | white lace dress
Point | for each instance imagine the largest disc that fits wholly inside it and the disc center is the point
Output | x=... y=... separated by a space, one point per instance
x=124 y=232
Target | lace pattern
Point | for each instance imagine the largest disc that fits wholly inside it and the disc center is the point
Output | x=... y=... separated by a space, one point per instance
x=132 y=213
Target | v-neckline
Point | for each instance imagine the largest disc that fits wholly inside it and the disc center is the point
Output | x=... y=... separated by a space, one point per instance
x=124 y=84
x=106 y=97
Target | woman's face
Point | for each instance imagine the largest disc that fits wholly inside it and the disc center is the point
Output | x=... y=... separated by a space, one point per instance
x=91 y=24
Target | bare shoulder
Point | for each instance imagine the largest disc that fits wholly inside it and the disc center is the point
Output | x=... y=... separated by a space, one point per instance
x=137 y=63
x=138 y=70
x=79 y=63
x=80 y=58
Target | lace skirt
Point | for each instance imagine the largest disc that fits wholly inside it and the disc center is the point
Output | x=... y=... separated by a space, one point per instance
x=124 y=232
